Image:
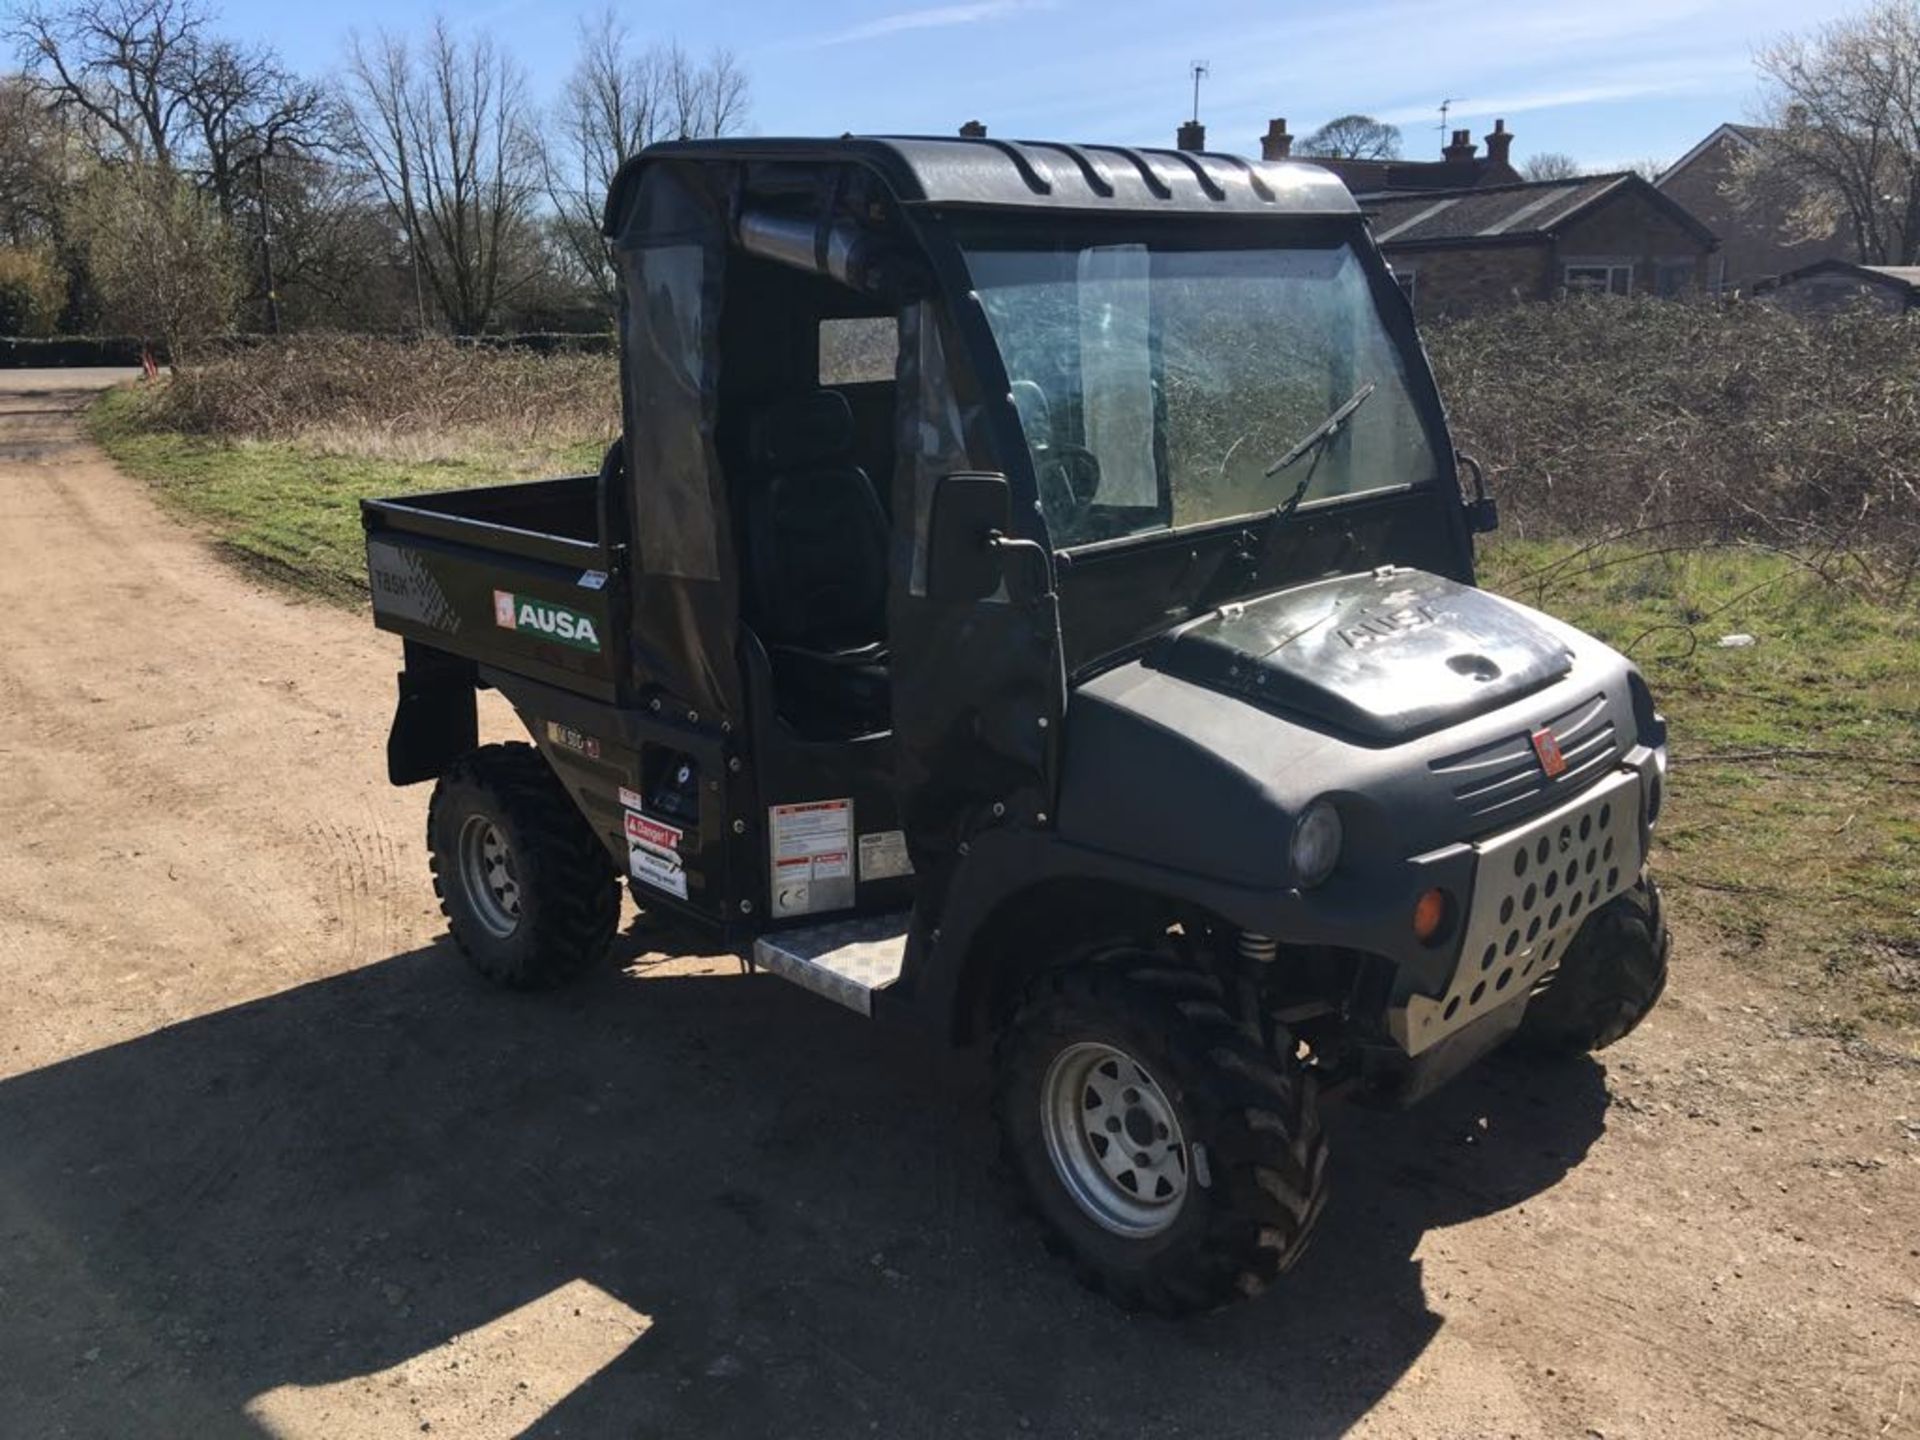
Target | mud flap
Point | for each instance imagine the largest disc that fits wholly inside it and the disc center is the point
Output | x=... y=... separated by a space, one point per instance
x=436 y=720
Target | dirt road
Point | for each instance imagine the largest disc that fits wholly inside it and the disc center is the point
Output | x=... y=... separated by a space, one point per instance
x=271 y=1164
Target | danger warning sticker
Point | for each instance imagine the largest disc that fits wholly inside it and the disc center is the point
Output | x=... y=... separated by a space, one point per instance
x=649 y=831
x=811 y=860
x=653 y=854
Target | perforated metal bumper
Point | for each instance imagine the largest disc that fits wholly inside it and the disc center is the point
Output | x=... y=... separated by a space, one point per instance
x=1533 y=885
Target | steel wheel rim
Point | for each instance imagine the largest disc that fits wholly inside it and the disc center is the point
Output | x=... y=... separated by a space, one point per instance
x=489 y=876
x=1114 y=1139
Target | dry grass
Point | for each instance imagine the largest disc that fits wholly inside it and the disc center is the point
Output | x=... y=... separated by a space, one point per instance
x=414 y=401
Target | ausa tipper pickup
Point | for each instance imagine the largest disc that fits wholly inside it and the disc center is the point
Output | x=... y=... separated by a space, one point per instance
x=1033 y=598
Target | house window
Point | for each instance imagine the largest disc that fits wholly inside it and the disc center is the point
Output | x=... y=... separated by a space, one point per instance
x=1599 y=279
x=1406 y=279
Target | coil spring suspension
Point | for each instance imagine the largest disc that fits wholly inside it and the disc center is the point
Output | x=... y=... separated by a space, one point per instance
x=1260 y=948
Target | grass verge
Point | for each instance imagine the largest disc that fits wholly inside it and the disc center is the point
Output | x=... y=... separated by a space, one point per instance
x=1794 y=825
x=291 y=508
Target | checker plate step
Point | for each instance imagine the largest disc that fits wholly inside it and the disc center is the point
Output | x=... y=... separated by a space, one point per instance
x=844 y=960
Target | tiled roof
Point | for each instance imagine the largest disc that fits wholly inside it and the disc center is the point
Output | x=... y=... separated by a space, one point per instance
x=1366 y=176
x=1487 y=212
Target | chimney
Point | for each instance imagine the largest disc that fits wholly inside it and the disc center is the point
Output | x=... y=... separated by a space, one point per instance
x=1500 y=144
x=1192 y=135
x=1276 y=144
x=1462 y=147
x=973 y=130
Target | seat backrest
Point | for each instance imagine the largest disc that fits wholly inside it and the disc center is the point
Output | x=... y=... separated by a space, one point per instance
x=816 y=537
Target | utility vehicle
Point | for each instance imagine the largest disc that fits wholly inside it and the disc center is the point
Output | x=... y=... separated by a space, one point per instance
x=1033 y=598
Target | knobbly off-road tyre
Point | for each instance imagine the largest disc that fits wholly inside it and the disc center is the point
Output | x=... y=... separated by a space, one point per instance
x=1253 y=1153
x=528 y=890
x=1611 y=975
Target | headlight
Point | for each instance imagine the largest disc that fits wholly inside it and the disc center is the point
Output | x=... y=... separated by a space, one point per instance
x=1317 y=835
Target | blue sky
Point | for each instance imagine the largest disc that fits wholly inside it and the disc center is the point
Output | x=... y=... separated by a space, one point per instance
x=1608 y=82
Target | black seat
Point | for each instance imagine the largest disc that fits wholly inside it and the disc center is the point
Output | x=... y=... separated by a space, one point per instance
x=816 y=567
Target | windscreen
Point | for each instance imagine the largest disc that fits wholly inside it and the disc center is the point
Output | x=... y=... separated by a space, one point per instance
x=1165 y=385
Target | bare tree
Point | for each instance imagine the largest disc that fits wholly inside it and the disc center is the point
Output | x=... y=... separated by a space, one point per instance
x=1841 y=146
x=617 y=101
x=149 y=84
x=117 y=62
x=445 y=137
x=244 y=107
x=339 y=258
x=1353 y=137
x=1551 y=165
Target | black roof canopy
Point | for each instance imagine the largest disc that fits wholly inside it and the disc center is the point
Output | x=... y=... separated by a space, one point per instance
x=1033 y=174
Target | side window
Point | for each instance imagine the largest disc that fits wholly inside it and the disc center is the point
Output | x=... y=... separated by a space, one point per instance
x=1599 y=279
x=858 y=351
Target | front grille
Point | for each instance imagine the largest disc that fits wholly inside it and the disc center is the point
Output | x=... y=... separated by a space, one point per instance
x=1500 y=782
x=1533 y=885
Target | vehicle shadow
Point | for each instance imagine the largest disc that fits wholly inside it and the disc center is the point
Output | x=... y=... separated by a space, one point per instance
x=330 y=1182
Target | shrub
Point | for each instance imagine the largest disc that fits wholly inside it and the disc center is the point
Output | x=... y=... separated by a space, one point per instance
x=1720 y=420
x=33 y=291
x=161 y=259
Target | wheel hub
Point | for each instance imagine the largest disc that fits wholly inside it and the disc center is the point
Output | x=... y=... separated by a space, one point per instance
x=489 y=876
x=1114 y=1139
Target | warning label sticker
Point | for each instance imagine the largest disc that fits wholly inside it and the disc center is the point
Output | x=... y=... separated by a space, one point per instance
x=653 y=854
x=662 y=872
x=811 y=860
x=652 y=832
x=883 y=855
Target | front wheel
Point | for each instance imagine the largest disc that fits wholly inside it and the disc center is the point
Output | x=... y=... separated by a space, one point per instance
x=1179 y=1164
x=528 y=890
x=1612 y=974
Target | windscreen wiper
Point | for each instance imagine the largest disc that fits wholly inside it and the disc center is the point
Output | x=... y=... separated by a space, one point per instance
x=1314 y=442
x=1324 y=431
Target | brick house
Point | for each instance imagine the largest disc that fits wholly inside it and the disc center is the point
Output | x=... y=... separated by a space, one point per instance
x=1460 y=251
x=1466 y=233
x=1751 y=247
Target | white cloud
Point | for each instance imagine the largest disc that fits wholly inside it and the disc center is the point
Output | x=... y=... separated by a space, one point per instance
x=933 y=17
x=1697 y=79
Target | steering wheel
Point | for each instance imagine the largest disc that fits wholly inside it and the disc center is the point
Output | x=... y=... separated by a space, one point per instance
x=1069 y=477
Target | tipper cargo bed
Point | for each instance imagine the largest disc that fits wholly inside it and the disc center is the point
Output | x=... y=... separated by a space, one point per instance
x=517 y=575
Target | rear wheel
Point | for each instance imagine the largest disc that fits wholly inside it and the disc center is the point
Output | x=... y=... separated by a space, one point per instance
x=1179 y=1164
x=1611 y=976
x=528 y=890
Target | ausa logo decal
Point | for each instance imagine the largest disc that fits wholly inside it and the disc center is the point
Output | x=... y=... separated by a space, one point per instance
x=544 y=620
